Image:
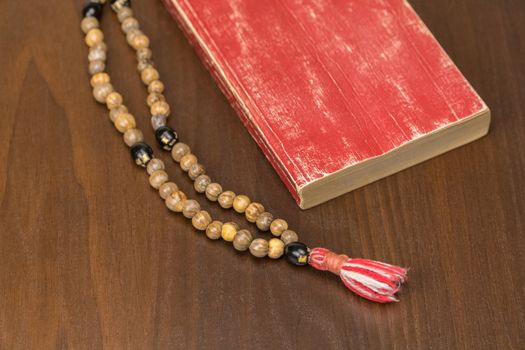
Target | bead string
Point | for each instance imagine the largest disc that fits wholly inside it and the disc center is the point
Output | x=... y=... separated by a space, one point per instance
x=370 y=279
x=175 y=199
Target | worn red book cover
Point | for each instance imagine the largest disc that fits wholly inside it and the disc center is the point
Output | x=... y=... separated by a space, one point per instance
x=336 y=93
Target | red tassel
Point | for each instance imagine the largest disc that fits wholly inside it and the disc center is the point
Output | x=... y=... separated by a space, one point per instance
x=370 y=279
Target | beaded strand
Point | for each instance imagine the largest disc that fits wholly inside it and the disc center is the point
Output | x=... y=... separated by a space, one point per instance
x=373 y=280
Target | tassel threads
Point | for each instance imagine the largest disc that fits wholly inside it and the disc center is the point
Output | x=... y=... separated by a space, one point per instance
x=370 y=279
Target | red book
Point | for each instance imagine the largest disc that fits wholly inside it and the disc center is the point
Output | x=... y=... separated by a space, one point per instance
x=337 y=93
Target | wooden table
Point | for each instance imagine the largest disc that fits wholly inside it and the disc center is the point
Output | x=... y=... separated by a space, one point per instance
x=91 y=258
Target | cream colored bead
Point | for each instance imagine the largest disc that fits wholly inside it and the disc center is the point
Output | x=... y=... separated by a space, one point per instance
x=114 y=100
x=89 y=23
x=187 y=161
x=157 y=178
x=229 y=230
x=278 y=226
x=289 y=236
x=253 y=210
x=242 y=240
x=213 y=191
x=167 y=188
x=124 y=122
x=156 y=86
x=142 y=65
x=96 y=67
x=131 y=35
x=179 y=150
x=240 y=203
x=94 y=36
x=190 y=208
x=113 y=114
x=160 y=108
x=225 y=199
x=275 y=248
x=175 y=201
x=264 y=221
x=154 y=98
x=100 y=92
x=123 y=13
x=196 y=170
x=213 y=231
x=99 y=78
x=144 y=54
x=201 y=182
x=149 y=74
x=201 y=220
x=132 y=136
x=129 y=24
x=140 y=41
x=154 y=165
x=259 y=247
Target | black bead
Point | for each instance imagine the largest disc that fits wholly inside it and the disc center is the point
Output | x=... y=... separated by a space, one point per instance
x=166 y=137
x=296 y=253
x=141 y=153
x=92 y=9
x=118 y=4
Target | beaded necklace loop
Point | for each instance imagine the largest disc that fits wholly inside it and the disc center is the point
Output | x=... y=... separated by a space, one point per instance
x=372 y=280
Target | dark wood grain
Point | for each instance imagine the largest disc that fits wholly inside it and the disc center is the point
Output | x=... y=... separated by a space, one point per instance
x=90 y=258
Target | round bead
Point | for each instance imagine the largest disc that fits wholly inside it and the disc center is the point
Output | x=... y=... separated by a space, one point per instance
x=92 y=9
x=114 y=113
x=190 y=208
x=154 y=98
x=157 y=121
x=179 y=151
x=289 y=236
x=201 y=220
x=229 y=230
x=296 y=253
x=226 y=199
x=118 y=5
x=143 y=64
x=133 y=136
x=240 y=203
x=89 y=23
x=213 y=191
x=154 y=165
x=187 y=161
x=124 y=13
x=124 y=122
x=97 y=53
x=96 y=67
x=175 y=201
x=275 y=248
x=101 y=92
x=253 y=210
x=141 y=153
x=242 y=240
x=167 y=188
x=132 y=34
x=259 y=247
x=143 y=54
x=213 y=231
x=129 y=24
x=160 y=108
x=94 y=36
x=99 y=78
x=166 y=137
x=263 y=221
x=278 y=226
x=140 y=41
x=196 y=170
x=148 y=75
x=201 y=182
x=114 y=100
x=156 y=86
x=157 y=178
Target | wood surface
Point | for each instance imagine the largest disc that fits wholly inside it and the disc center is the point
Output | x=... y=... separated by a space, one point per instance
x=90 y=258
